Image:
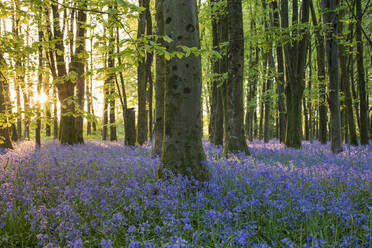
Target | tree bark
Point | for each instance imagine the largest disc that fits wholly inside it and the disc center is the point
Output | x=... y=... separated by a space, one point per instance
x=363 y=106
x=345 y=85
x=235 y=138
x=130 y=127
x=295 y=58
x=67 y=133
x=39 y=85
x=158 y=133
x=142 y=76
x=216 y=116
x=5 y=141
x=280 y=77
x=321 y=77
x=78 y=65
x=330 y=19
x=182 y=146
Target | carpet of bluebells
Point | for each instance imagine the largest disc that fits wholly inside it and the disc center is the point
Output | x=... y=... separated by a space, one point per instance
x=107 y=195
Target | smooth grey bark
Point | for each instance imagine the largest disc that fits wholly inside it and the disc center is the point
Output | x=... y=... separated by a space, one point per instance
x=330 y=19
x=235 y=138
x=158 y=132
x=182 y=146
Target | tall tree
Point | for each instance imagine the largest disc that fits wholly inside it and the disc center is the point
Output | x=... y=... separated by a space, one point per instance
x=235 y=138
x=361 y=76
x=321 y=76
x=159 y=83
x=216 y=116
x=295 y=57
x=345 y=85
x=78 y=65
x=280 y=77
x=182 y=146
x=5 y=141
x=330 y=20
x=142 y=74
x=66 y=87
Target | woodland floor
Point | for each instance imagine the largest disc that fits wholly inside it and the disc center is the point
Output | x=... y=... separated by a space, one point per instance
x=104 y=194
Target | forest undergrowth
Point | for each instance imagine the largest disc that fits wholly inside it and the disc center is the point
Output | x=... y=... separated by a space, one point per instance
x=103 y=194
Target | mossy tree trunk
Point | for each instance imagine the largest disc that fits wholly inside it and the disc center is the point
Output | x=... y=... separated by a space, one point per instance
x=182 y=146
x=235 y=138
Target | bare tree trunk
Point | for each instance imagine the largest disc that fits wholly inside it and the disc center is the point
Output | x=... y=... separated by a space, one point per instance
x=142 y=77
x=6 y=142
x=361 y=77
x=280 y=78
x=78 y=65
x=330 y=19
x=321 y=77
x=216 y=116
x=235 y=138
x=182 y=145
x=345 y=85
x=39 y=85
x=157 y=141
x=295 y=58
x=67 y=133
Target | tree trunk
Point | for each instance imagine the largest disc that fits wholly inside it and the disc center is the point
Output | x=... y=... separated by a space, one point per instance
x=158 y=133
x=149 y=82
x=110 y=81
x=39 y=84
x=5 y=141
x=363 y=107
x=280 y=77
x=182 y=146
x=295 y=58
x=88 y=94
x=142 y=76
x=235 y=138
x=345 y=85
x=216 y=116
x=321 y=77
x=55 y=115
x=67 y=133
x=78 y=65
x=330 y=19
x=130 y=127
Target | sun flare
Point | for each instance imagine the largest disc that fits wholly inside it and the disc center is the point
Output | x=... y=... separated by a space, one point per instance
x=41 y=98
